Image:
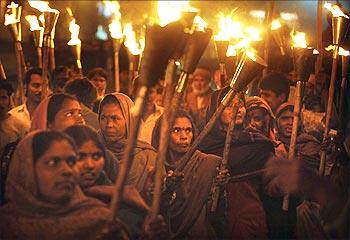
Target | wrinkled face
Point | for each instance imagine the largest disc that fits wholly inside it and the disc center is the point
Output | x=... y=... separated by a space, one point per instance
x=4 y=102
x=226 y=115
x=68 y=115
x=54 y=172
x=34 y=88
x=272 y=98
x=181 y=135
x=285 y=124
x=255 y=118
x=100 y=83
x=89 y=164
x=200 y=80
x=112 y=122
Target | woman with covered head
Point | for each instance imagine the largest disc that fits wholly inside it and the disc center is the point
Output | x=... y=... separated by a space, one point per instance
x=187 y=213
x=249 y=151
x=43 y=198
x=116 y=120
x=57 y=112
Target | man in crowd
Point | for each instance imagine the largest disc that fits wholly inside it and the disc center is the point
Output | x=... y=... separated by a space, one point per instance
x=86 y=94
x=274 y=89
x=11 y=128
x=33 y=90
x=98 y=77
x=198 y=100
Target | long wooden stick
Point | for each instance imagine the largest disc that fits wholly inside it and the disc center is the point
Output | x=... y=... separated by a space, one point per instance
x=46 y=55
x=116 y=71
x=127 y=159
x=318 y=66
x=20 y=69
x=166 y=122
x=293 y=138
x=268 y=34
x=329 y=108
x=225 y=156
x=2 y=71
x=345 y=68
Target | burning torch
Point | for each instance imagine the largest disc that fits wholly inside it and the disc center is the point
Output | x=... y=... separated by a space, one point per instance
x=160 y=45
x=134 y=52
x=248 y=67
x=38 y=34
x=49 y=20
x=276 y=34
x=12 y=20
x=340 y=24
x=304 y=57
x=115 y=29
x=75 y=43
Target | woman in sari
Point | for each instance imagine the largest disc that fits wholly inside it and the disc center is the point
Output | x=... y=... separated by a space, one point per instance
x=187 y=214
x=43 y=199
x=116 y=120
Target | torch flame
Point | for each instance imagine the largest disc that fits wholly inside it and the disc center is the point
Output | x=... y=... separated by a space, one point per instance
x=231 y=51
x=253 y=33
x=286 y=16
x=170 y=11
x=335 y=10
x=299 y=40
x=251 y=54
x=228 y=29
x=74 y=30
x=42 y=6
x=11 y=18
x=342 y=51
x=115 y=28
x=275 y=24
x=199 y=24
x=130 y=40
x=260 y=14
x=33 y=22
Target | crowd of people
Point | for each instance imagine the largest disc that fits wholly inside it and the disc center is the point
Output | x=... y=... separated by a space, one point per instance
x=61 y=154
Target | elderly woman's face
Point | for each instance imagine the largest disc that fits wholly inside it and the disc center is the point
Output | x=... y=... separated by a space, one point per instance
x=255 y=119
x=68 y=115
x=181 y=135
x=89 y=164
x=112 y=122
x=54 y=172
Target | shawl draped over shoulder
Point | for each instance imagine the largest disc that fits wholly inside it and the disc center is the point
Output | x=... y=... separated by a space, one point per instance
x=25 y=216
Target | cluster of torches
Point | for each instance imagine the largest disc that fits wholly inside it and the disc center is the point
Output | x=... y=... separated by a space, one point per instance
x=181 y=36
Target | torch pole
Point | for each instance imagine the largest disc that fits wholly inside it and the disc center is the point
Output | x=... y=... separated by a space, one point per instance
x=345 y=68
x=40 y=57
x=20 y=69
x=225 y=156
x=127 y=156
x=329 y=107
x=164 y=136
x=318 y=67
x=116 y=71
x=222 y=74
x=52 y=54
x=293 y=138
x=46 y=53
x=268 y=33
x=2 y=71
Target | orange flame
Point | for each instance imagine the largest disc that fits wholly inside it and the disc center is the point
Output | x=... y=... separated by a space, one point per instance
x=335 y=10
x=170 y=11
x=199 y=24
x=275 y=24
x=228 y=29
x=342 y=51
x=74 y=30
x=231 y=51
x=299 y=39
x=115 y=27
x=42 y=6
x=33 y=22
x=11 y=18
x=130 y=40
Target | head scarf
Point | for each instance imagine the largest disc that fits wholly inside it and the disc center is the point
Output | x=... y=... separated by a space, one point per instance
x=25 y=216
x=39 y=120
